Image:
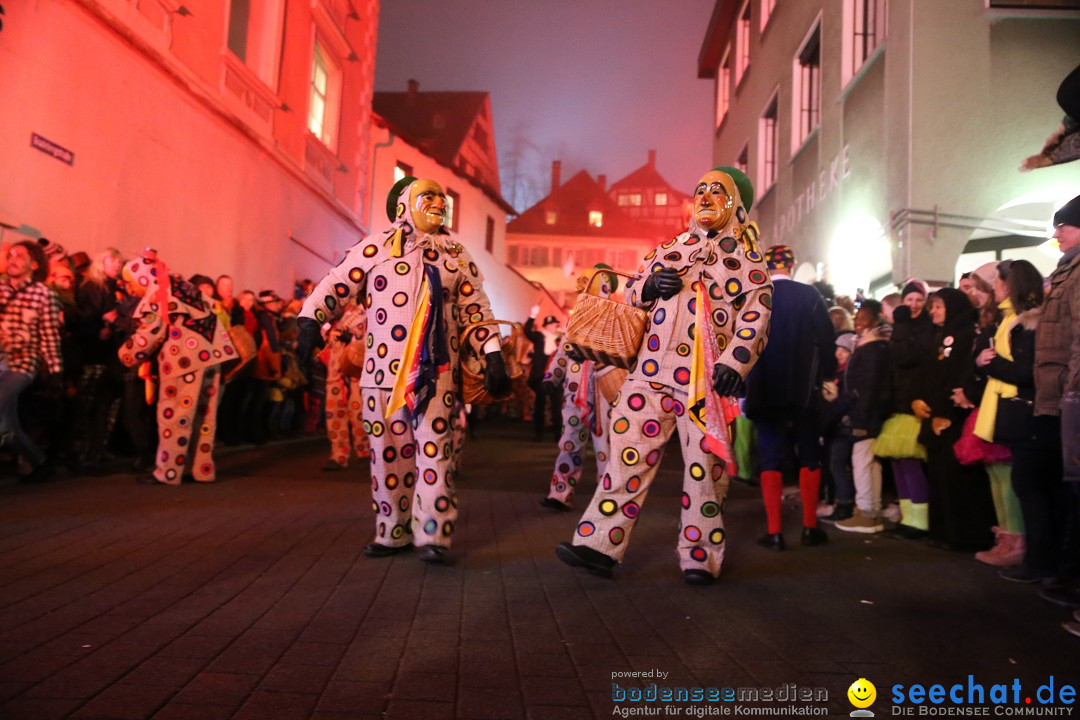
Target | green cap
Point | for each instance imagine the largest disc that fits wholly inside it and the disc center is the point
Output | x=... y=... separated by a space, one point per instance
x=612 y=277
x=392 y=196
x=746 y=188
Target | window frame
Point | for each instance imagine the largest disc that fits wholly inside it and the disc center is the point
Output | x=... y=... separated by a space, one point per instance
x=769 y=143
x=453 y=210
x=723 y=87
x=268 y=67
x=332 y=105
x=806 y=88
x=765 y=10
x=856 y=51
x=743 y=33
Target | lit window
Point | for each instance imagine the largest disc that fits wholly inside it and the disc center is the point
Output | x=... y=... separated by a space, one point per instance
x=596 y=218
x=634 y=199
x=770 y=147
x=255 y=36
x=723 y=87
x=453 y=204
x=552 y=217
x=742 y=43
x=806 y=89
x=623 y=200
x=767 y=7
x=743 y=161
x=660 y=199
x=325 y=97
x=401 y=171
x=864 y=31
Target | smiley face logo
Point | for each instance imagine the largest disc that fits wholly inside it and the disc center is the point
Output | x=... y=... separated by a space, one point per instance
x=862 y=694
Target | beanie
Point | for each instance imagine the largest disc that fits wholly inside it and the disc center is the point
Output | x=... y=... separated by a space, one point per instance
x=1069 y=214
x=779 y=257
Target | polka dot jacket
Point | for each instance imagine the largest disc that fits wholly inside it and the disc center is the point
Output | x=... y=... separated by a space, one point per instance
x=740 y=293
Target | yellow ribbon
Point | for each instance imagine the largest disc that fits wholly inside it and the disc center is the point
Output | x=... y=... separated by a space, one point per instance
x=400 y=391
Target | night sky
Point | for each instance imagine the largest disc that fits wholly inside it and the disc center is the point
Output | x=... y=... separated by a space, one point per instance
x=594 y=83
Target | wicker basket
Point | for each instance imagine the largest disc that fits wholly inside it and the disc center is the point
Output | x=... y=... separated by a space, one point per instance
x=245 y=351
x=604 y=330
x=472 y=365
x=609 y=382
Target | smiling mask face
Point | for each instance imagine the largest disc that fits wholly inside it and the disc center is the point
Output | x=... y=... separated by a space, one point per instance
x=427 y=205
x=715 y=199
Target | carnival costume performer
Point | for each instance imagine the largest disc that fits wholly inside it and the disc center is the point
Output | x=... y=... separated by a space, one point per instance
x=421 y=288
x=344 y=416
x=177 y=327
x=585 y=411
x=714 y=268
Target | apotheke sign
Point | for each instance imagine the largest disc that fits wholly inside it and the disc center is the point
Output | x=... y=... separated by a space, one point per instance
x=817 y=192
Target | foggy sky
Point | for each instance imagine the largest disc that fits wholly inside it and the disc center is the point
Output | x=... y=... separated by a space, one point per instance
x=594 y=83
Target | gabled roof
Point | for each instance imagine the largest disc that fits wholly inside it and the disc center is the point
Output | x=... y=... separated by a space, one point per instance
x=716 y=37
x=437 y=122
x=572 y=201
x=647 y=176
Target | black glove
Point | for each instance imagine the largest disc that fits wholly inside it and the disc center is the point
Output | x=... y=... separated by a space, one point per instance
x=663 y=283
x=549 y=387
x=725 y=380
x=54 y=386
x=308 y=337
x=345 y=337
x=574 y=354
x=496 y=381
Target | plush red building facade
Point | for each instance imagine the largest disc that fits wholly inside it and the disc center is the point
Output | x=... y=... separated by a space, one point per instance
x=233 y=135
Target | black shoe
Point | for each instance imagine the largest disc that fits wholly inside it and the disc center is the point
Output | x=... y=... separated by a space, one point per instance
x=1063 y=596
x=812 y=536
x=434 y=555
x=772 y=541
x=553 y=504
x=594 y=561
x=842 y=511
x=1021 y=574
x=333 y=466
x=148 y=479
x=697 y=577
x=40 y=473
x=378 y=550
x=907 y=532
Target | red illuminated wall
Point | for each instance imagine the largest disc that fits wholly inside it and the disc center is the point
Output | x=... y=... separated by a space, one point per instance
x=179 y=143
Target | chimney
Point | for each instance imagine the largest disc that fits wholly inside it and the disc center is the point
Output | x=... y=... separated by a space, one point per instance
x=414 y=88
x=601 y=180
x=652 y=159
x=556 y=171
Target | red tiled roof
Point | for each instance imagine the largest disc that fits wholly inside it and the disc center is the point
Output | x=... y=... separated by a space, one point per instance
x=646 y=176
x=572 y=202
x=419 y=115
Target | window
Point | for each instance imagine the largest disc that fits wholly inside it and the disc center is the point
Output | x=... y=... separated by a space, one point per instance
x=742 y=43
x=551 y=217
x=512 y=254
x=864 y=31
x=556 y=257
x=255 y=36
x=806 y=89
x=767 y=7
x=743 y=161
x=660 y=199
x=480 y=135
x=325 y=100
x=596 y=218
x=634 y=199
x=489 y=235
x=401 y=171
x=538 y=257
x=723 y=87
x=453 y=206
x=770 y=147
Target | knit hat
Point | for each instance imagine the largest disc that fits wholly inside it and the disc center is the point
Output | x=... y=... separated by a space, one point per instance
x=846 y=340
x=780 y=257
x=268 y=296
x=987 y=272
x=80 y=261
x=1069 y=214
x=915 y=285
x=198 y=279
x=550 y=320
x=746 y=188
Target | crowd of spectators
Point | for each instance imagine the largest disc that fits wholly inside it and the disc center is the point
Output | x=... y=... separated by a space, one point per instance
x=65 y=397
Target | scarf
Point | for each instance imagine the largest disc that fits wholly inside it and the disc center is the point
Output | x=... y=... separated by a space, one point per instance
x=426 y=353
x=708 y=410
x=997 y=389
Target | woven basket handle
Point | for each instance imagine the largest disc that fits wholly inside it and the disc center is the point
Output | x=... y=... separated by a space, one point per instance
x=471 y=327
x=603 y=271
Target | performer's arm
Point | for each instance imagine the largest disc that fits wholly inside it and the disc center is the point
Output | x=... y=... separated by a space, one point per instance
x=346 y=281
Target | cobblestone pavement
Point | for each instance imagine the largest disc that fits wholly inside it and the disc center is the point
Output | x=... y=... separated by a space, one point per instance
x=249 y=599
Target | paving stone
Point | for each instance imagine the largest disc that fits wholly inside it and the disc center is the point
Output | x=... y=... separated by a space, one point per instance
x=280 y=706
x=180 y=711
x=489 y=704
x=126 y=702
x=306 y=679
x=354 y=697
x=418 y=710
x=216 y=688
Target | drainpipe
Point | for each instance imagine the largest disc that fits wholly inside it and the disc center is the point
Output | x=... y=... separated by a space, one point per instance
x=371 y=178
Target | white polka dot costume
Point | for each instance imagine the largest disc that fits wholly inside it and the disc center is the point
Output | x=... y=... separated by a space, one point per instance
x=344 y=404
x=653 y=401
x=411 y=480
x=189 y=343
x=585 y=414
